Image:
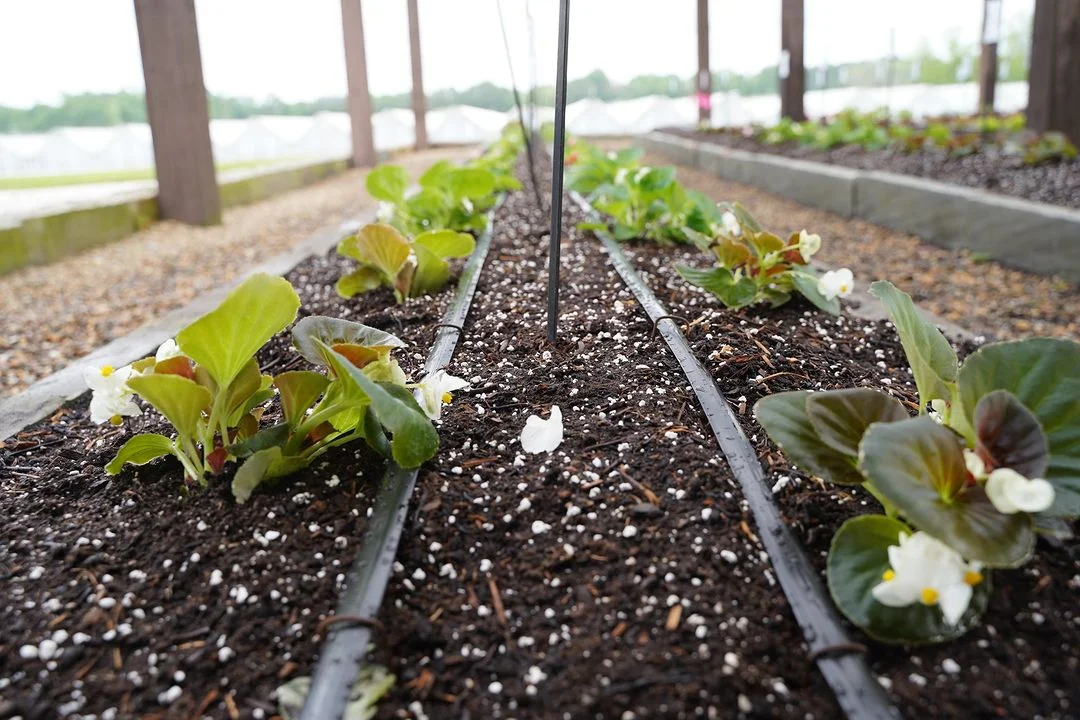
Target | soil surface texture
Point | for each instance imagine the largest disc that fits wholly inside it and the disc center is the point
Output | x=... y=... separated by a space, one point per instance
x=1054 y=182
x=1023 y=659
x=620 y=575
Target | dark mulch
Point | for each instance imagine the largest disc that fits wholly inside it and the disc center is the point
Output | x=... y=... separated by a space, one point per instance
x=572 y=614
x=145 y=587
x=1022 y=661
x=1057 y=183
x=616 y=577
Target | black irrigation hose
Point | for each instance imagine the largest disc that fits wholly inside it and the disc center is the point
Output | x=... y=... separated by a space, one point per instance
x=857 y=692
x=351 y=626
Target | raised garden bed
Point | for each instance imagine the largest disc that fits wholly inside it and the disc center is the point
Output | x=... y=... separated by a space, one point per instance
x=622 y=574
x=947 y=214
x=1056 y=182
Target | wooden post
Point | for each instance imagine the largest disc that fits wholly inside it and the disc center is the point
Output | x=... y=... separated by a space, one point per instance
x=363 y=138
x=991 y=34
x=704 y=76
x=419 y=104
x=176 y=107
x=1053 y=101
x=791 y=71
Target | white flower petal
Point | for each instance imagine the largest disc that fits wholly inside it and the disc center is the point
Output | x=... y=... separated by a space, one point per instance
x=541 y=435
x=167 y=350
x=1031 y=496
x=895 y=593
x=954 y=600
x=998 y=492
x=975 y=464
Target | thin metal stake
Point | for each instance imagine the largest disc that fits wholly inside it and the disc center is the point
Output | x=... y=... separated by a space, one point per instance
x=557 y=173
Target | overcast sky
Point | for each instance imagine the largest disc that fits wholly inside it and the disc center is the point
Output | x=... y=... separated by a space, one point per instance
x=293 y=48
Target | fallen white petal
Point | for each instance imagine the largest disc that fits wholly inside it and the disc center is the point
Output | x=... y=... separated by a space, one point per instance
x=541 y=435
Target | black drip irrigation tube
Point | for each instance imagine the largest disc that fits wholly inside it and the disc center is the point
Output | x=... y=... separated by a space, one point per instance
x=840 y=660
x=350 y=628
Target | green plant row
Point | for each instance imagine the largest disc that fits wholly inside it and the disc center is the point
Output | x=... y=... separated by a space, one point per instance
x=991 y=460
x=955 y=135
x=750 y=264
x=419 y=231
x=208 y=385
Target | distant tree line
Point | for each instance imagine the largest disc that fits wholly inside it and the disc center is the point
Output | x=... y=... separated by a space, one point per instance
x=959 y=63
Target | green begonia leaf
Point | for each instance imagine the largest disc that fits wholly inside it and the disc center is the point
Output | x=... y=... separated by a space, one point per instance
x=264 y=465
x=470 y=183
x=446 y=243
x=359 y=281
x=1010 y=435
x=1044 y=375
x=784 y=417
x=180 y=400
x=140 y=450
x=387 y=183
x=414 y=437
x=857 y=561
x=732 y=292
x=380 y=246
x=431 y=274
x=918 y=466
x=841 y=417
x=933 y=360
x=807 y=284
x=224 y=340
x=299 y=389
x=309 y=331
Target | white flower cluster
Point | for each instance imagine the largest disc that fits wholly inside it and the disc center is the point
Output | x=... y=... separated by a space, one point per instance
x=112 y=399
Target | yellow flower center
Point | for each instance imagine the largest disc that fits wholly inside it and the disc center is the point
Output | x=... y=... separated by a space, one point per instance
x=844 y=287
x=973 y=577
x=888 y=575
x=929 y=596
x=116 y=420
x=107 y=371
x=446 y=398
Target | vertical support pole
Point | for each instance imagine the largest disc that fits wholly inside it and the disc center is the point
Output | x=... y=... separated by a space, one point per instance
x=792 y=73
x=363 y=137
x=176 y=107
x=1053 y=103
x=419 y=103
x=988 y=63
x=557 y=157
x=704 y=76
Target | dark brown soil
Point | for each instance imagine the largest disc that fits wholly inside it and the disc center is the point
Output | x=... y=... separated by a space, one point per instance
x=176 y=589
x=1023 y=660
x=1054 y=182
x=618 y=576
x=574 y=614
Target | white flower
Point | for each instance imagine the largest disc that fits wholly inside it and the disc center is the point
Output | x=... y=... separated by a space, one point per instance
x=975 y=464
x=112 y=399
x=435 y=390
x=836 y=283
x=642 y=172
x=926 y=570
x=541 y=435
x=1011 y=492
x=167 y=350
x=729 y=224
x=385 y=213
x=620 y=176
x=808 y=244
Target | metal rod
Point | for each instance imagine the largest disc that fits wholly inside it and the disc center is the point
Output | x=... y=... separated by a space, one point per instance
x=525 y=132
x=557 y=174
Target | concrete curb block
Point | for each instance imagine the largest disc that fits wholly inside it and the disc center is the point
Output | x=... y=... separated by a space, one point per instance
x=1032 y=236
x=46 y=239
x=50 y=393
